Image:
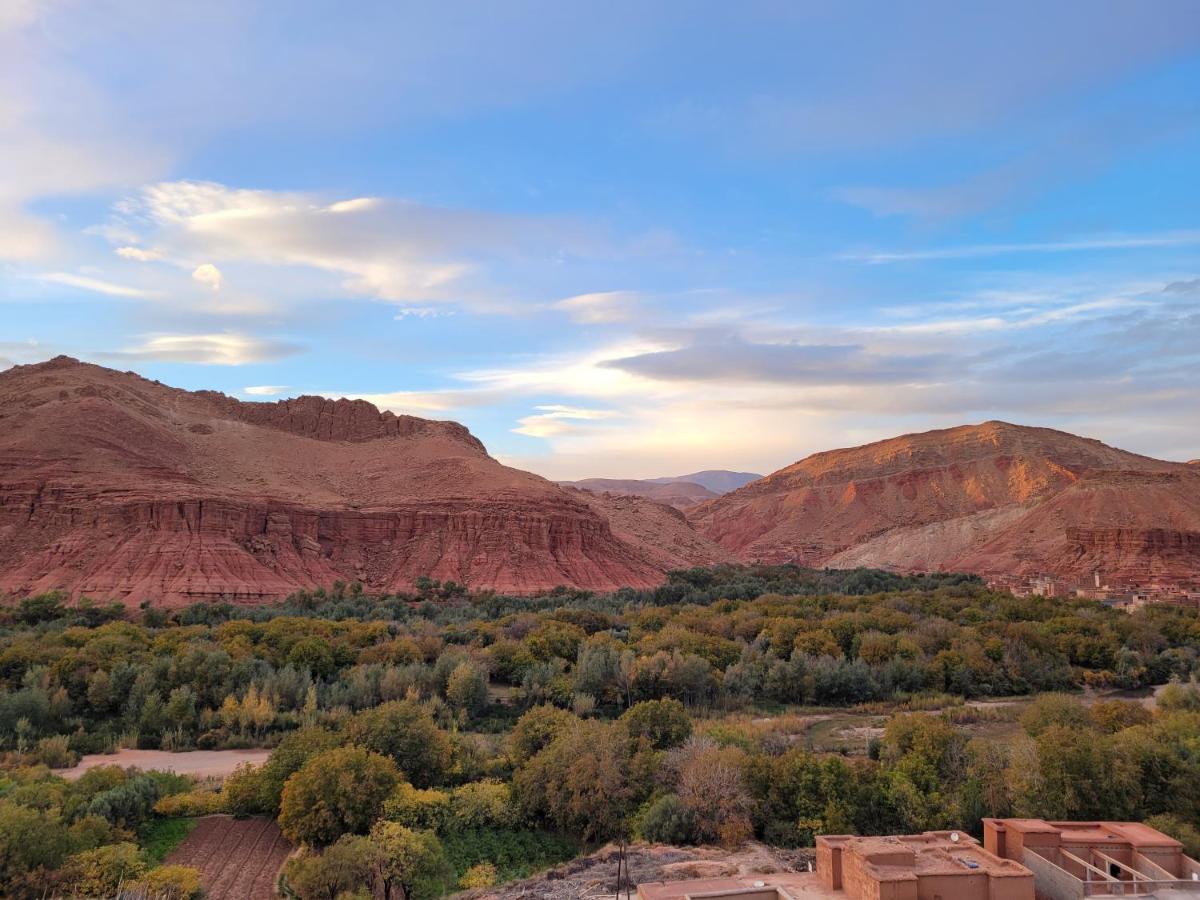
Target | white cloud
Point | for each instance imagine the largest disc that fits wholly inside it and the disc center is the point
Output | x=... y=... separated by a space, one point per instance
x=601 y=308
x=208 y=275
x=95 y=285
x=420 y=312
x=556 y=421
x=225 y=349
x=138 y=254
x=265 y=390
x=381 y=248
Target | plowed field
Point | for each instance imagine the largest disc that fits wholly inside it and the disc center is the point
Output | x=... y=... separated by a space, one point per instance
x=238 y=859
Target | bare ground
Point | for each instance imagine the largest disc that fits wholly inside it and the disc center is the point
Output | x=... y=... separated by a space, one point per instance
x=595 y=876
x=201 y=763
x=238 y=859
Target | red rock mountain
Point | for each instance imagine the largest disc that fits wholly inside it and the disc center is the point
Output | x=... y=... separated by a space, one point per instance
x=992 y=498
x=118 y=487
x=679 y=494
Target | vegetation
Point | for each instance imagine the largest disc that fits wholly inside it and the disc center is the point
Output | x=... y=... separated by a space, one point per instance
x=441 y=739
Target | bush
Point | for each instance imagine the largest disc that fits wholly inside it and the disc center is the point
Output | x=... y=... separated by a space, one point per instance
x=482 y=875
x=56 y=752
x=192 y=803
x=666 y=821
x=242 y=791
x=664 y=723
x=417 y=808
x=101 y=871
x=483 y=804
x=172 y=883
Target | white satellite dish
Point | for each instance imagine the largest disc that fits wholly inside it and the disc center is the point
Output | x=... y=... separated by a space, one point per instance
x=954 y=837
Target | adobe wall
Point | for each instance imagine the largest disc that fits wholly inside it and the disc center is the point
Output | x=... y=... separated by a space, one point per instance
x=860 y=883
x=952 y=887
x=829 y=863
x=1051 y=881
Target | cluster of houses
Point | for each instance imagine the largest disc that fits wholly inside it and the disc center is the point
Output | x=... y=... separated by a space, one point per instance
x=1122 y=595
x=1019 y=859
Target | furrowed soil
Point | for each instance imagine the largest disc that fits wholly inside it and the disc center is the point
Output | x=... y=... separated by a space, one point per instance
x=238 y=859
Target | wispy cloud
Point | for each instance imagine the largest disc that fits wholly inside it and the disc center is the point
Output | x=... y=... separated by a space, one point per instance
x=95 y=285
x=265 y=390
x=557 y=421
x=1115 y=242
x=226 y=349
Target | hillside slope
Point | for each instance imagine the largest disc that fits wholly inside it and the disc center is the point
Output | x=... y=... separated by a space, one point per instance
x=989 y=498
x=115 y=486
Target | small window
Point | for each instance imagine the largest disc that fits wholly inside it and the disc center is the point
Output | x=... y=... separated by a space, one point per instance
x=1114 y=870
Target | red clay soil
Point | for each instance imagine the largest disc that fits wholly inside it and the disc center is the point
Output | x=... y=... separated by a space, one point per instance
x=122 y=488
x=238 y=859
x=990 y=498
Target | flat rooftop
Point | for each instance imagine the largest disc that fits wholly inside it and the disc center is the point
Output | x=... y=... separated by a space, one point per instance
x=1135 y=833
x=932 y=853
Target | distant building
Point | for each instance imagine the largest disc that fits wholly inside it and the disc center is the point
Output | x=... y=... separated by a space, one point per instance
x=1071 y=860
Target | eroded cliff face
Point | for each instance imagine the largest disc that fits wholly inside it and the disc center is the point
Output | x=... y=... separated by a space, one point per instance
x=118 y=487
x=992 y=498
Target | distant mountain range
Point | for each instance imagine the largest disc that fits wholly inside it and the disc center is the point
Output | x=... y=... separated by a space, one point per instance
x=680 y=491
x=119 y=487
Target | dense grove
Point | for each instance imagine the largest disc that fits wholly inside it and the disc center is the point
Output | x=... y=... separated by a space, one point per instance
x=442 y=739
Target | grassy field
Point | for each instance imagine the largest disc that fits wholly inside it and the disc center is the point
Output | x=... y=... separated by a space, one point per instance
x=158 y=837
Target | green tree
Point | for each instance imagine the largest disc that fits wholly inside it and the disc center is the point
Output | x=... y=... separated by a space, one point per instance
x=663 y=723
x=405 y=731
x=336 y=792
x=411 y=864
x=466 y=689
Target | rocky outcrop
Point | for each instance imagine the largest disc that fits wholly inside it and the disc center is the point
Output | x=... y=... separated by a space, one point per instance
x=119 y=487
x=992 y=498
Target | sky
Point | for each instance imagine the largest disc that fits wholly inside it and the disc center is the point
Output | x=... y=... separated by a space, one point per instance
x=619 y=239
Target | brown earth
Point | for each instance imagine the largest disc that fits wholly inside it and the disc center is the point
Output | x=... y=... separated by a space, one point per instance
x=214 y=764
x=991 y=498
x=238 y=859
x=596 y=875
x=119 y=487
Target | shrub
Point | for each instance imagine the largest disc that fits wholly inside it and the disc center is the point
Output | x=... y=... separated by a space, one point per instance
x=56 y=752
x=417 y=808
x=242 y=791
x=172 y=883
x=101 y=871
x=666 y=821
x=482 y=875
x=192 y=803
x=483 y=804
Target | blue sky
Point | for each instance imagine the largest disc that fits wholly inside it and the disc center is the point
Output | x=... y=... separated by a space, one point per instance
x=619 y=239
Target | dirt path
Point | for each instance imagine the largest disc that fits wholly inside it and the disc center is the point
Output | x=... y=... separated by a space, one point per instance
x=201 y=763
x=238 y=859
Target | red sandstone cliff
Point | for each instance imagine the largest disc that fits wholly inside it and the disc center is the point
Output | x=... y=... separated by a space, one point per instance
x=115 y=486
x=990 y=498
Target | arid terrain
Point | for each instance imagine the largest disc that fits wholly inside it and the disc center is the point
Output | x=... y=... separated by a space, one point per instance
x=989 y=498
x=119 y=487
